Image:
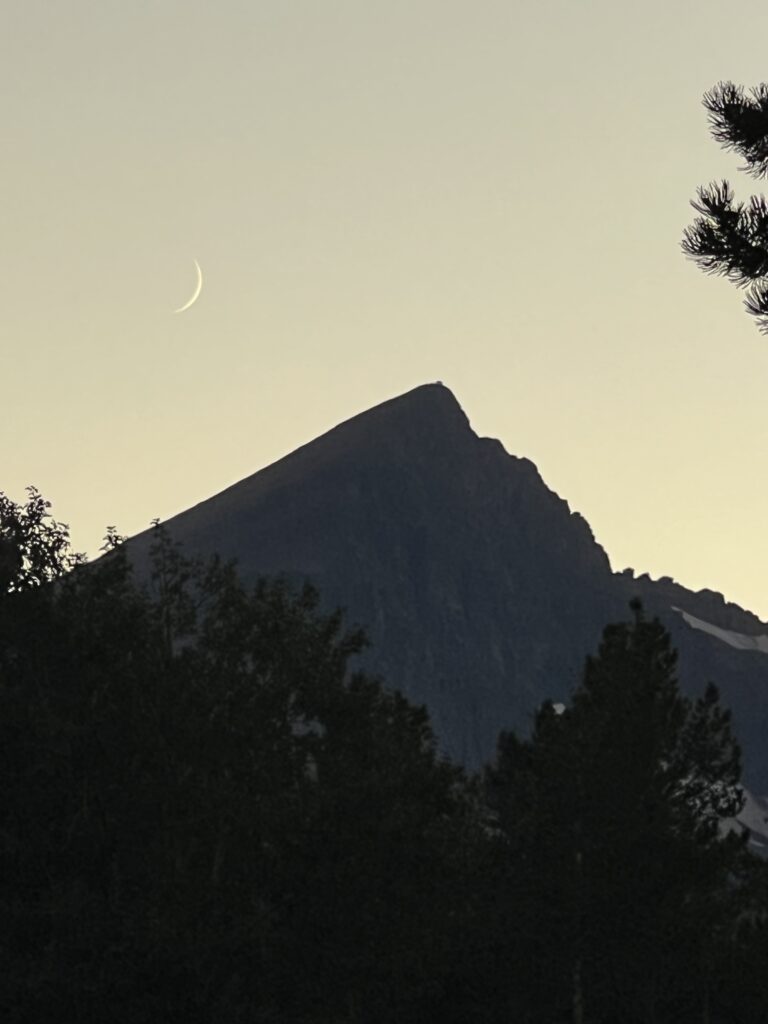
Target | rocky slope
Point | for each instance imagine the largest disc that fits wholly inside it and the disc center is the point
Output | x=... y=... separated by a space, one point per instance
x=480 y=589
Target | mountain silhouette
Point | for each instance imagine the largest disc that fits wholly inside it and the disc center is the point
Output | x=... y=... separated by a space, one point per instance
x=481 y=591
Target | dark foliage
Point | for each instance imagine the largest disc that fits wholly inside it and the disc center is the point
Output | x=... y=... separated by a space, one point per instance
x=34 y=548
x=729 y=238
x=208 y=817
x=739 y=122
x=630 y=894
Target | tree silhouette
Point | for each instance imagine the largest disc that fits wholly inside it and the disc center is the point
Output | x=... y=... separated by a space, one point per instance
x=207 y=816
x=730 y=238
x=34 y=547
x=613 y=812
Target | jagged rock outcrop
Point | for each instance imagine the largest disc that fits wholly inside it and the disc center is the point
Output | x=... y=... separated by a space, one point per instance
x=480 y=589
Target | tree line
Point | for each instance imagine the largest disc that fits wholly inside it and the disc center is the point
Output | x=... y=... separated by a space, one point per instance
x=208 y=815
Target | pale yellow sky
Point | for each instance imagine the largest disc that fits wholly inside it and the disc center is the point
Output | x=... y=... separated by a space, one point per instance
x=380 y=195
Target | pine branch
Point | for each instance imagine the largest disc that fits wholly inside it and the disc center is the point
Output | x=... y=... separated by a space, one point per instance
x=728 y=239
x=756 y=303
x=739 y=122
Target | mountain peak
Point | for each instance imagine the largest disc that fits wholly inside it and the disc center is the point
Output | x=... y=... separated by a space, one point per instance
x=421 y=415
x=426 y=423
x=434 y=401
x=480 y=589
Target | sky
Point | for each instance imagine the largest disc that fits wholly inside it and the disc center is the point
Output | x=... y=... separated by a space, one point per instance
x=380 y=195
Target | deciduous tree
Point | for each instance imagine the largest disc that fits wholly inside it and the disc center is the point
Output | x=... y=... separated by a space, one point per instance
x=208 y=816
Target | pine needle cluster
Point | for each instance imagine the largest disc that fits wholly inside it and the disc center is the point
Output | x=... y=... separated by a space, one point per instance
x=730 y=238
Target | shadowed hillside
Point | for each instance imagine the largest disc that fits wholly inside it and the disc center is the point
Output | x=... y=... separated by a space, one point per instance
x=480 y=589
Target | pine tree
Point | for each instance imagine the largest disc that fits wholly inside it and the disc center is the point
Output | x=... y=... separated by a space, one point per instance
x=730 y=238
x=614 y=811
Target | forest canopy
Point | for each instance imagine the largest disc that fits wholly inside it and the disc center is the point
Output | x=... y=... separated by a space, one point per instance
x=208 y=815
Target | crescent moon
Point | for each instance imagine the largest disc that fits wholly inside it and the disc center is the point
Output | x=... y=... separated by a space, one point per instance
x=196 y=293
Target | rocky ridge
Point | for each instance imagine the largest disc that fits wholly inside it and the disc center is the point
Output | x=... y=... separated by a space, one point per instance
x=481 y=590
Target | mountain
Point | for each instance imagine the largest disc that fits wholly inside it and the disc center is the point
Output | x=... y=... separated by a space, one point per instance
x=481 y=591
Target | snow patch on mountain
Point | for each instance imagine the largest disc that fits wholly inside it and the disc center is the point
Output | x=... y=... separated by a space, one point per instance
x=754 y=818
x=741 y=641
